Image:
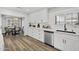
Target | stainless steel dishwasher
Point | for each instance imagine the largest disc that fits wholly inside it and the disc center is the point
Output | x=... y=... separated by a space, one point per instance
x=49 y=37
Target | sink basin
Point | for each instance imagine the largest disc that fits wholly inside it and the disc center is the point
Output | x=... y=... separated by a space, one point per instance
x=66 y=31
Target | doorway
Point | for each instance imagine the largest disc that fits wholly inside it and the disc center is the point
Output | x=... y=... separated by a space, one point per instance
x=12 y=25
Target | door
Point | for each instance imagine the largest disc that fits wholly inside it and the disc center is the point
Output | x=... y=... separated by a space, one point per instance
x=59 y=41
x=72 y=44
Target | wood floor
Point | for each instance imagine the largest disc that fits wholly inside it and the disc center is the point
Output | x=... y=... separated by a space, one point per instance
x=25 y=43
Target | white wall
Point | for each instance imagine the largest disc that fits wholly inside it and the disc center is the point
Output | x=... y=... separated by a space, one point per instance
x=38 y=16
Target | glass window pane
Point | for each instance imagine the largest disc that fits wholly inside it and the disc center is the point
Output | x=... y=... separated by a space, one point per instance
x=68 y=19
x=60 y=19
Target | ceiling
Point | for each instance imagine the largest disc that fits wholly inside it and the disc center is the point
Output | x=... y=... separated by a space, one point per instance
x=24 y=9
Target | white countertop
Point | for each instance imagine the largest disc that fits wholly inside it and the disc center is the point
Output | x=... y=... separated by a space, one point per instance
x=52 y=30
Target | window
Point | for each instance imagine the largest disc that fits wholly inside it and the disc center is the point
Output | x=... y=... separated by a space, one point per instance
x=68 y=18
x=71 y=19
x=75 y=18
x=60 y=19
x=12 y=21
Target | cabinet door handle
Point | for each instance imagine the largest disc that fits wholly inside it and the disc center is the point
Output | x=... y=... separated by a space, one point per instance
x=65 y=41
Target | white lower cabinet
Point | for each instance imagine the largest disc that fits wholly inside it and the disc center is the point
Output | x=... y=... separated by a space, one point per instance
x=66 y=42
x=72 y=43
x=40 y=35
x=36 y=33
x=58 y=41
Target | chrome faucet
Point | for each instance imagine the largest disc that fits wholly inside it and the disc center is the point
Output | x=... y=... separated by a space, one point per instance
x=65 y=27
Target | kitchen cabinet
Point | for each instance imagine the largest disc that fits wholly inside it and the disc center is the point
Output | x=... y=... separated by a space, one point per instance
x=36 y=33
x=40 y=35
x=66 y=41
x=58 y=41
x=71 y=43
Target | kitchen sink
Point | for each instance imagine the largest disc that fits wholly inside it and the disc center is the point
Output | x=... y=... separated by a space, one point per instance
x=66 y=31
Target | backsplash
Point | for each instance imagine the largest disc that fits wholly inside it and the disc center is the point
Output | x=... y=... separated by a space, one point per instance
x=40 y=25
